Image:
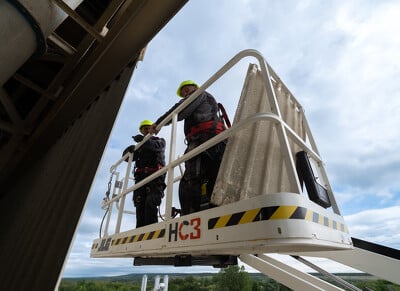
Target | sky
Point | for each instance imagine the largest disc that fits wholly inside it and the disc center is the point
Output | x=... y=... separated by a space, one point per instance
x=340 y=59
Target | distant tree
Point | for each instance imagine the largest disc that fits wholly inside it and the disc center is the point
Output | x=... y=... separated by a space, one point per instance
x=233 y=278
x=98 y=286
x=187 y=283
x=257 y=286
x=377 y=285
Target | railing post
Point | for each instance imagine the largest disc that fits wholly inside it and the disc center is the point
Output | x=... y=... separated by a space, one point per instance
x=122 y=205
x=170 y=182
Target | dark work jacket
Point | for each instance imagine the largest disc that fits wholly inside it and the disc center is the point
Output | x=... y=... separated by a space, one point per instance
x=150 y=154
x=203 y=108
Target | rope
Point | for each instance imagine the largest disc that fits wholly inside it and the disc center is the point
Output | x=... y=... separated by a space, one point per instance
x=102 y=220
x=106 y=198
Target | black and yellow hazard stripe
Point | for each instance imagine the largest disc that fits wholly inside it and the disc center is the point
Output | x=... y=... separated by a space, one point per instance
x=272 y=213
x=160 y=233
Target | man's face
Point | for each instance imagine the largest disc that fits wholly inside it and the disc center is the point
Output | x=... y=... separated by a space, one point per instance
x=145 y=129
x=187 y=90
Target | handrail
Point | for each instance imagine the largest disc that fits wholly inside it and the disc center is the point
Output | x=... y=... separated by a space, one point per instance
x=218 y=138
x=275 y=117
x=238 y=57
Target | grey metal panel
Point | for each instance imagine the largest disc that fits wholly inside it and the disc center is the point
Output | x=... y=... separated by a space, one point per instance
x=259 y=166
x=139 y=22
x=40 y=227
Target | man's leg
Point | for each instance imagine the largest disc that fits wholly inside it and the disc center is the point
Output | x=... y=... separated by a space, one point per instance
x=184 y=195
x=153 y=200
x=139 y=198
x=190 y=196
x=190 y=187
x=210 y=165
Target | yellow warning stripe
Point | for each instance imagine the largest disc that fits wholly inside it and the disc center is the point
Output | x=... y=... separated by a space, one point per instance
x=283 y=212
x=309 y=215
x=273 y=213
x=249 y=216
x=160 y=233
x=222 y=221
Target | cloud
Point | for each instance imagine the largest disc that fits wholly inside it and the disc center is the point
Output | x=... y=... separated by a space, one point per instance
x=379 y=226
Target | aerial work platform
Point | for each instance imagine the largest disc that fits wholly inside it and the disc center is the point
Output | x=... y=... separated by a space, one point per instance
x=261 y=204
x=272 y=194
x=282 y=222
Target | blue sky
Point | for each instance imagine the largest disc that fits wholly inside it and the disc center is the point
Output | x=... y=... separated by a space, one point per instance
x=340 y=59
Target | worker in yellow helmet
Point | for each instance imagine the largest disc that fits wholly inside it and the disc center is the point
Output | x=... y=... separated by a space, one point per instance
x=187 y=88
x=148 y=158
x=201 y=123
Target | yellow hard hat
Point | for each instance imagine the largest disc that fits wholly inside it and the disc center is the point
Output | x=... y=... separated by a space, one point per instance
x=185 y=83
x=144 y=123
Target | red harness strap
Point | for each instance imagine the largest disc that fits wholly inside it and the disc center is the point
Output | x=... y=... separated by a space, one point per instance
x=148 y=169
x=205 y=127
x=224 y=115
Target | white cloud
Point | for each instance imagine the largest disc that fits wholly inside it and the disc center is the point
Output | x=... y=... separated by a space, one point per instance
x=379 y=226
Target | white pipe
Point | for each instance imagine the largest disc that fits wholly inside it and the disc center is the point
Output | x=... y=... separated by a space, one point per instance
x=144 y=283
x=25 y=24
x=157 y=283
x=165 y=283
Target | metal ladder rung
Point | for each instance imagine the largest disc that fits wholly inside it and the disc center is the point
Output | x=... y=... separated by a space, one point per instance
x=62 y=44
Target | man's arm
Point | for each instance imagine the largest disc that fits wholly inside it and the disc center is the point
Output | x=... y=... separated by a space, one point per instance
x=186 y=112
x=192 y=106
x=162 y=117
x=130 y=149
x=155 y=144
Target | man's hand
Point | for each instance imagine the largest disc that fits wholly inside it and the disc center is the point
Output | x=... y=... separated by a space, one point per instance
x=129 y=149
x=138 y=138
x=153 y=129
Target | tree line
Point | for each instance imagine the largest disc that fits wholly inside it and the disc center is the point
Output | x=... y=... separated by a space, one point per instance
x=232 y=278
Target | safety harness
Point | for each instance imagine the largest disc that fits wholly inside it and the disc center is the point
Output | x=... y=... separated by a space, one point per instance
x=205 y=127
x=212 y=126
x=223 y=116
x=147 y=170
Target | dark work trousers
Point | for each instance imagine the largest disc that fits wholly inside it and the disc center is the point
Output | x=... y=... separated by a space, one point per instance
x=200 y=171
x=147 y=199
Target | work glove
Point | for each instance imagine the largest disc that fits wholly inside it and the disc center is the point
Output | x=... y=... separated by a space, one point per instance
x=130 y=149
x=138 y=138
